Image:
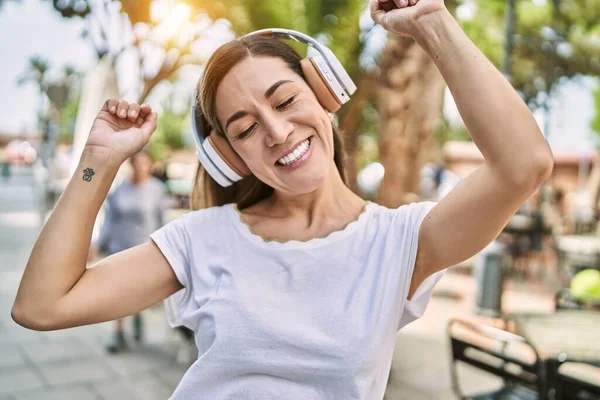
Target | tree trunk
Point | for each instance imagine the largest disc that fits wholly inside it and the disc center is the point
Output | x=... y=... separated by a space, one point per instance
x=410 y=98
x=350 y=125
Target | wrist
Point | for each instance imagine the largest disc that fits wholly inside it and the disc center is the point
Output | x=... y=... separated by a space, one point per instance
x=435 y=32
x=97 y=165
x=100 y=157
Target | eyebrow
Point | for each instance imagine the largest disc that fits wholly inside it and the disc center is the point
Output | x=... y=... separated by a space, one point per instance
x=274 y=87
x=269 y=92
x=235 y=117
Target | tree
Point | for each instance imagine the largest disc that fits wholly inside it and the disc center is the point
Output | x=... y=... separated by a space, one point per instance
x=139 y=37
x=595 y=125
x=410 y=99
x=552 y=40
x=71 y=80
x=36 y=73
x=169 y=130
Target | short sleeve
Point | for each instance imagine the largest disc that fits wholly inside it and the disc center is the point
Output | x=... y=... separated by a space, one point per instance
x=173 y=241
x=412 y=217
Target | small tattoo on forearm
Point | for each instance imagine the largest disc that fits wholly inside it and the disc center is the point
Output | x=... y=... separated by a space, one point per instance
x=87 y=174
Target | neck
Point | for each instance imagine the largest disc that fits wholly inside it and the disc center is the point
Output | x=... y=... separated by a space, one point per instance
x=329 y=199
x=138 y=180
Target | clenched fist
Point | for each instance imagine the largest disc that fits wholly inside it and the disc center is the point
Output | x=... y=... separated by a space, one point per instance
x=121 y=129
x=402 y=16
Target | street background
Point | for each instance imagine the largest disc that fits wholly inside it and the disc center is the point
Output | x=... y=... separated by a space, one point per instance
x=64 y=59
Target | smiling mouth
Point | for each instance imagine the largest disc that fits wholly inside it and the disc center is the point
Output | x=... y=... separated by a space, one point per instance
x=295 y=155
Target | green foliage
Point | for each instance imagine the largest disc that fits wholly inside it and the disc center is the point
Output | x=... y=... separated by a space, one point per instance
x=486 y=29
x=336 y=20
x=595 y=125
x=368 y=140
x=36 y=73
x=169 y=134
x=448 y=132
x=550 y=42
x=68 y=115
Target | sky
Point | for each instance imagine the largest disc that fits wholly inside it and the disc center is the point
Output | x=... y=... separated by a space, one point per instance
x=33 y=27
x=26 y=29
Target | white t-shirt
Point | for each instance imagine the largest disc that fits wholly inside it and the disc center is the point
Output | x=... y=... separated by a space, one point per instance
x=293 y=320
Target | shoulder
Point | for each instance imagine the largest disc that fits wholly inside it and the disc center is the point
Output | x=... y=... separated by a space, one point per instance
x=405 y=214
x=401 y=224
x=198 y=229
x=214 y=218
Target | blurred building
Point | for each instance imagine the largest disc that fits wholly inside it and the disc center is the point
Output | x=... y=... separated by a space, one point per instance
x=572 y=170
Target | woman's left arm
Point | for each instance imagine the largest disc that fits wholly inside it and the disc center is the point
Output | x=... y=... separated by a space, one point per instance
x=517 y=158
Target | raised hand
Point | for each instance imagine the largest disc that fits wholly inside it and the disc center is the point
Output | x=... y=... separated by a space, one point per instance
x=121 y=129
x=401 y=16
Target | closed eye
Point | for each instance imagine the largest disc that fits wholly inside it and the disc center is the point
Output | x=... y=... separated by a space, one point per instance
x=246 y=133
x=285 y=104
x=279 y=107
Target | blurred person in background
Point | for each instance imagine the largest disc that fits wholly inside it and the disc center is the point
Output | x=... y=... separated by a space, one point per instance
x=159 y=171
x=133 y=211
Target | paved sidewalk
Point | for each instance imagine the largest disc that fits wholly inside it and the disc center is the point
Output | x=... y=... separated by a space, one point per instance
x=72 y=364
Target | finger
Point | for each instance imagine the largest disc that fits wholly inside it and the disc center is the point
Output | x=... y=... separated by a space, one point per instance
x=412 y=2
x=122 y=109
x=149 y=125
x=377 y=11
x=145 y=110
x=386 y=5
x=133 y=113
x=111 y=105
x=401 y=3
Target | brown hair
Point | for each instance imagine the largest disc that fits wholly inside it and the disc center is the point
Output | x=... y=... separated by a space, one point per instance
x=250 y=190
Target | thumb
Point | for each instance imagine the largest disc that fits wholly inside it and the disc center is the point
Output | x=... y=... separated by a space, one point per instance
x=377 y=11
x=149 y=125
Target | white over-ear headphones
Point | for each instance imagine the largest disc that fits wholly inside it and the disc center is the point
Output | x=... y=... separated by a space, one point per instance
x=325 y=75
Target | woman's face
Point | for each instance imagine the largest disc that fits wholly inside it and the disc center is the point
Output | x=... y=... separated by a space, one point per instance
x=274 y=121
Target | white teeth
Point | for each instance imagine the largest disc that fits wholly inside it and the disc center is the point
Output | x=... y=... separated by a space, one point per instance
x=295 y=154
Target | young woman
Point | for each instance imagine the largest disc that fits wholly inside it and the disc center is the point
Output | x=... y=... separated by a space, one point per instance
x=295 y=287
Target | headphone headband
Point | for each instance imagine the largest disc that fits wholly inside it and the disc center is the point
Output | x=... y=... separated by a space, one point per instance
x=279 y=33
x=335 y=66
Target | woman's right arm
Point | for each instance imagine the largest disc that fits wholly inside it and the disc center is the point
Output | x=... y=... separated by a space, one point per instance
x=56 y=290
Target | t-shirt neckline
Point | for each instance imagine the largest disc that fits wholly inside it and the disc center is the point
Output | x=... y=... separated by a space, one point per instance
x=248 y=233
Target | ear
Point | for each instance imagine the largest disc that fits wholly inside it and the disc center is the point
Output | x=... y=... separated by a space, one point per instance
x=331 y=116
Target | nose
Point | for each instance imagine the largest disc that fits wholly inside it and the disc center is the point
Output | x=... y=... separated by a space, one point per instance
x=278 y=128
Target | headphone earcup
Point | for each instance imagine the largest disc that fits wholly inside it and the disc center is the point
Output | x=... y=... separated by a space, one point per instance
x=318 y=85
x=210 y=167
x=228 y=155
x=215 y=153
